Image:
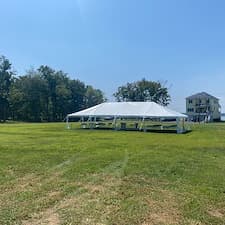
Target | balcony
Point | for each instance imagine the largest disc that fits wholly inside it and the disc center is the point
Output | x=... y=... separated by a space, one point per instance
x=202 y=104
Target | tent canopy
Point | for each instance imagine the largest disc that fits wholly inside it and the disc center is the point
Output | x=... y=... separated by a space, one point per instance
x=128 y=109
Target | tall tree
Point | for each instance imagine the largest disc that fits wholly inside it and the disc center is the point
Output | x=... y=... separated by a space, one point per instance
x=63 y=95
x=143 y=90
x=48 y=74
x=93 y=96
x=27 y=97
x=78 y=95
x=5 y=82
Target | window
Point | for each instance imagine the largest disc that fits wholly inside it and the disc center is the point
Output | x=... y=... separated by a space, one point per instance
x=190 y=101
x=190 y=110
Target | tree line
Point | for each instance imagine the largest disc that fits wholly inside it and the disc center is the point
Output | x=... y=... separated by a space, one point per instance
x=45 y=94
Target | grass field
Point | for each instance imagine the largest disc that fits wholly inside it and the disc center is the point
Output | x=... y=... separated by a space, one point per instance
x=50 y=175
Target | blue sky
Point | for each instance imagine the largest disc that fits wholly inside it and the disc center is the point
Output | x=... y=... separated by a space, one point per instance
x=107 y=43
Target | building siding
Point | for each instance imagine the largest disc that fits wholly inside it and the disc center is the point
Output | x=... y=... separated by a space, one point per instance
x=203 y=107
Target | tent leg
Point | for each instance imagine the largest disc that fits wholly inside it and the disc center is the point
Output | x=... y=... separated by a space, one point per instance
x=180 y=129
x=183 y=127
x=95 y=122
x=142 y=127
x=82 y=121
x=114 y=123
x=90 y=123
x=67 y=122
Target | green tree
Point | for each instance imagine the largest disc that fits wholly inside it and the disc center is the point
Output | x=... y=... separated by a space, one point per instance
x=63 y=95
x=78 y=92
x=27 y=97
x=93 y=96
x=58 y=95
x=5 y=82
x=48 y=74
x=143 y=90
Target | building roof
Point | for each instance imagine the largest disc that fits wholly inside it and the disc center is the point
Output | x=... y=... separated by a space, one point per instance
x=201 y=95
x=129 y=109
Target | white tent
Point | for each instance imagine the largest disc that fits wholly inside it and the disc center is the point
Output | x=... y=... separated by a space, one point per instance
x=141 y=110
x=129 y=109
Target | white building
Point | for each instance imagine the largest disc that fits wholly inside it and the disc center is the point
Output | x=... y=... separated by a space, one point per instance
x=203 y=107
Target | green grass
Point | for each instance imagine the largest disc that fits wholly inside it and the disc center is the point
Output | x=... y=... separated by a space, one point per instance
x=50 y=175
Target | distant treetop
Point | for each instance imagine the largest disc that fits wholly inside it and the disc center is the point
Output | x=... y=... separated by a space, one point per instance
x=143 y=90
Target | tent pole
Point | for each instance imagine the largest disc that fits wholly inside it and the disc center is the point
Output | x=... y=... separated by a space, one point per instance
x=67 y=122
x=179 y=128
x=183 y=125
x=95 y=122
x=144 y=129
x=141 y=125
x=114 y=122
x=89 y=122
x=82 y=122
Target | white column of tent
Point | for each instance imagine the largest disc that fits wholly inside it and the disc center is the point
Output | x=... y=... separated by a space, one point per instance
x=188 y=124
x=67 y=122
x=92 y=122
x=177 y=122
x=179 y=130
x=142 y=127
x=88 y=121
x=114 y=122
x=82 y=121
x=95 y=122
x=183 y=127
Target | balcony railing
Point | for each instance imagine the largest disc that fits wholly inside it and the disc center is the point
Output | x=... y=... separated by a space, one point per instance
x=202 y=104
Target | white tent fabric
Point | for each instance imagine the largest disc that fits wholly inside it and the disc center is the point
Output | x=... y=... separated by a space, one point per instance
x=128 y=109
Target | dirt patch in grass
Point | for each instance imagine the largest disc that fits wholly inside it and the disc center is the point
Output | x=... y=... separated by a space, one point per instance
x=193 y=222
x=48 y=217
x=54 y=194
x=164 y=210
x=21 y=183
x=218 y=213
